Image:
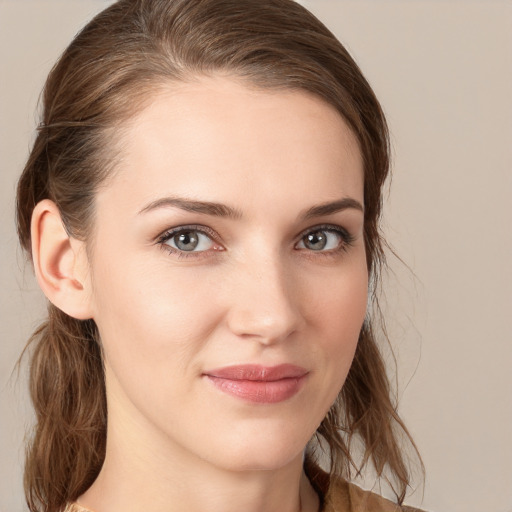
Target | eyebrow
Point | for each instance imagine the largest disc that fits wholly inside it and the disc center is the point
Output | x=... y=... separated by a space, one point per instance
x=222 y=210
x=191 y=205
x=332 y=207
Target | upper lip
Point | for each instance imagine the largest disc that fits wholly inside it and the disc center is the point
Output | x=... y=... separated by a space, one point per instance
x=256 y=372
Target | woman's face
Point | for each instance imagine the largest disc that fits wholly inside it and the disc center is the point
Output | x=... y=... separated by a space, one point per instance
x=228 y=273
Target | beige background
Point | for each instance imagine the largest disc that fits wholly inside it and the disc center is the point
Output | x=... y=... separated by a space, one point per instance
x=443 y=71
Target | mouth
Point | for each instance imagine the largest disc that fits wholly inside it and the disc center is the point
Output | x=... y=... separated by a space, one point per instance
x=259 y=384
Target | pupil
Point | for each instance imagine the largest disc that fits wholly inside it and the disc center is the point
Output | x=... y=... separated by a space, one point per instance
x=316 y=241
x=187 y=241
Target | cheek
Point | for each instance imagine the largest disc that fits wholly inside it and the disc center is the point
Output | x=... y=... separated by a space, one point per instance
x=150 y=315
x=340 y=305
x=153 y=326
x=338 y=315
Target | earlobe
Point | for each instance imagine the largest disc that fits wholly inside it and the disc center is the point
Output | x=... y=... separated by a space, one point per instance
x=60 y=262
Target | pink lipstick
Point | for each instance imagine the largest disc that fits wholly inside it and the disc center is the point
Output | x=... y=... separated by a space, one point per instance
x=260 y=384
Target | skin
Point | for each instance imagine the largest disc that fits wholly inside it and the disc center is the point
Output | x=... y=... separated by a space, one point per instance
x=251 y=292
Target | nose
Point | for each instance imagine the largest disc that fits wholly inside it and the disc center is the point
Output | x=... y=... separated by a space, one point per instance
x=265 y=303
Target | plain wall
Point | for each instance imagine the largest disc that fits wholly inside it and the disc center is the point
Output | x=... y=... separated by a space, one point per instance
x=443 y=72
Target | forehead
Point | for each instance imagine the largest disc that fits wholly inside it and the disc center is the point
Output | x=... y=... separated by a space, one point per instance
x=222 y=140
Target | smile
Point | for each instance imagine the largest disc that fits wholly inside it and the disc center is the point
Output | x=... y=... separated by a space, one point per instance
x=259 y=384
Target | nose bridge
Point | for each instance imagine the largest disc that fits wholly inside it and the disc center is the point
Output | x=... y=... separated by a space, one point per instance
x=264 y=303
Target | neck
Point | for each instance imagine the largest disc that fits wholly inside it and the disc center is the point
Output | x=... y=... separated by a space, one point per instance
x=130 y=483
x=147 y=472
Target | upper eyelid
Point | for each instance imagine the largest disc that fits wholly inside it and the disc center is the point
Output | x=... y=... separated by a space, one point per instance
x=327 y=227
x=168 y=233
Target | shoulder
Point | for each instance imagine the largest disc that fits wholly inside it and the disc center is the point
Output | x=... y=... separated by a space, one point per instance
x=338 y=495
x=74 y=507
x=343 y=495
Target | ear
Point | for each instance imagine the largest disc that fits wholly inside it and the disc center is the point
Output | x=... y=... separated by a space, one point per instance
x=60 y=262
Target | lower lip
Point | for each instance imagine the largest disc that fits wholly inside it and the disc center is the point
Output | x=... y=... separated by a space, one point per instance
x=262 y=392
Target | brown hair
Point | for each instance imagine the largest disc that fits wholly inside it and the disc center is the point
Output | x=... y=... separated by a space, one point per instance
x=104 y=77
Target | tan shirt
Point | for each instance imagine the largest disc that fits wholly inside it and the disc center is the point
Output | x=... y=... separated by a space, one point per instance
x=346 y=497
x=340 y=497
x=336 y=495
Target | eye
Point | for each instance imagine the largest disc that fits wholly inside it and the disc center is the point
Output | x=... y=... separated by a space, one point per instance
x=325 y=238
x=188 y=239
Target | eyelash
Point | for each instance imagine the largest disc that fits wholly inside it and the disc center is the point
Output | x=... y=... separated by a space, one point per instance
x=346 y=240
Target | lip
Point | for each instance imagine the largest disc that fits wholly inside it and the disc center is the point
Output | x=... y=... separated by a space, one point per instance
x=259 y=384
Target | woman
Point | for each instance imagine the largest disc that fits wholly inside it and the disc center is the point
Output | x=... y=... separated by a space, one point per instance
x=201 y=207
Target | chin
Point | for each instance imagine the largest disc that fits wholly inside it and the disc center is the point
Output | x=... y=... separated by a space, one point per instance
x=261 y=462
x=263 y=450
